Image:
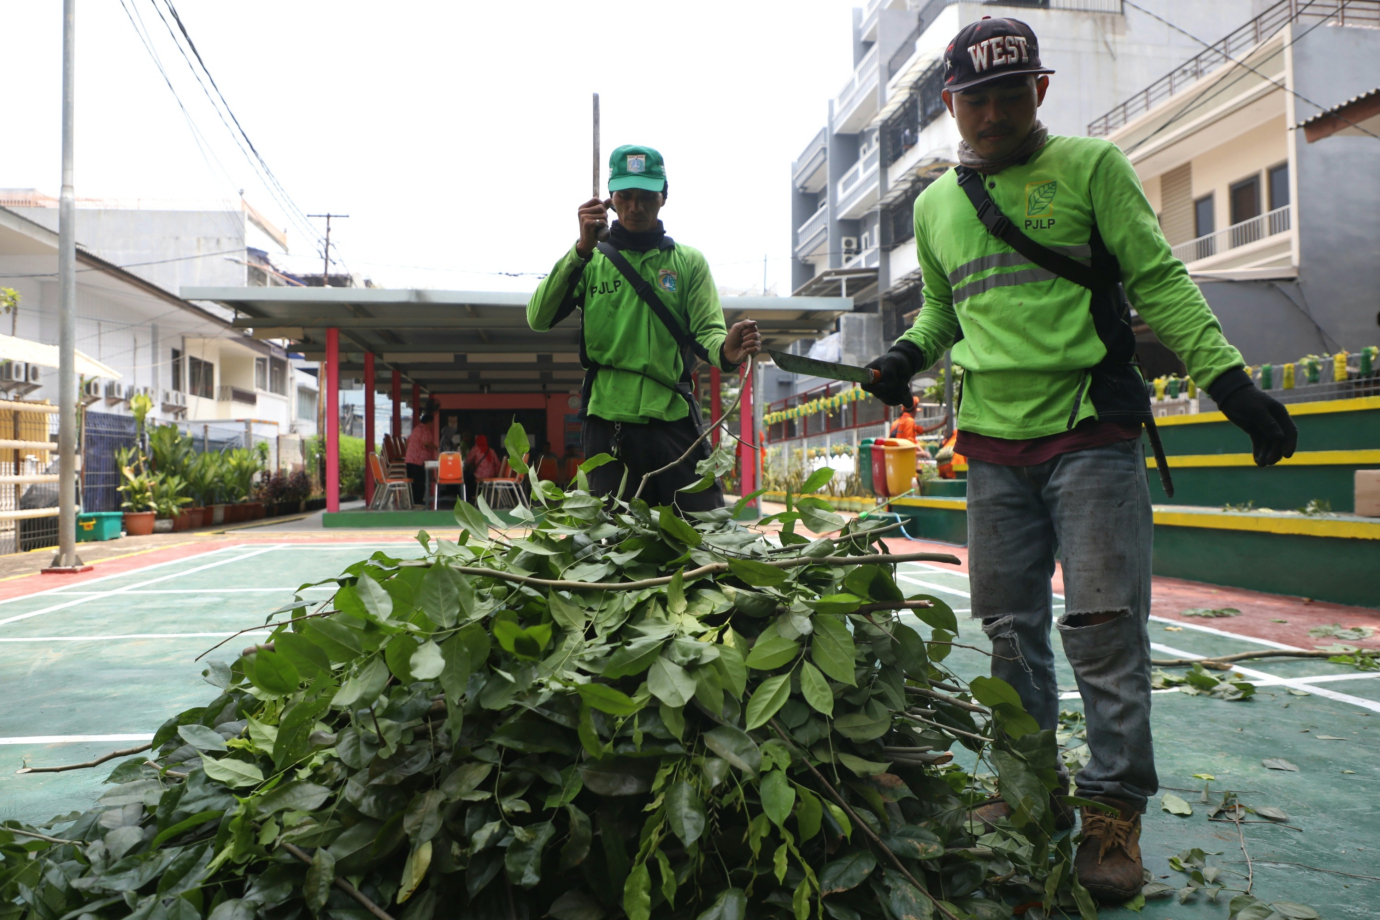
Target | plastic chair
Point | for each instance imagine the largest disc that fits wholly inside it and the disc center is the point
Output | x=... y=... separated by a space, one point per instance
x=450 y=471
x=386 y=487
x=506 y=483
x=549 y=468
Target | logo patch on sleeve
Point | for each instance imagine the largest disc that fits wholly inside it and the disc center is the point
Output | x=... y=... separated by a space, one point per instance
x=667 y=279
x=1039 y=198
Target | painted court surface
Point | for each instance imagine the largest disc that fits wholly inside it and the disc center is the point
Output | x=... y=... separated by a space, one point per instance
x=98 y=662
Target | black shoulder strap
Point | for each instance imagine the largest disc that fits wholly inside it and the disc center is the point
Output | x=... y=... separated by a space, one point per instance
x=684 y=340
x=997 y=224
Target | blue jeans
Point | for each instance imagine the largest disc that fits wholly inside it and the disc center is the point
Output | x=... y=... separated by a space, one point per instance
x=1093 y=507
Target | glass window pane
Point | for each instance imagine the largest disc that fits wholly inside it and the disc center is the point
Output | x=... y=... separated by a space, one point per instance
x=1279 y=186
x=261 y=373
x=1203 y=217
x=1245 y=200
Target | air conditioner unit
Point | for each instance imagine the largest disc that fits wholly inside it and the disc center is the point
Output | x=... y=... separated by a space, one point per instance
x=14 y=372
x=35 y=374
x=116 y=391
x=146 y=391
x=180 y=398
x=92 y=389
x=850 y=245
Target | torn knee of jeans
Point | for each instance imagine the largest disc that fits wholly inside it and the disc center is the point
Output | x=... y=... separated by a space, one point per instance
x=1094 y=618
x=1000 y=627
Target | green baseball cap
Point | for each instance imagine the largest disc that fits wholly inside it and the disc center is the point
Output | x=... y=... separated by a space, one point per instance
x=634 y=166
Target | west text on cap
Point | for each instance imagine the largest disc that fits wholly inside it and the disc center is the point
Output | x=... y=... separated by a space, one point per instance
x=991 y=49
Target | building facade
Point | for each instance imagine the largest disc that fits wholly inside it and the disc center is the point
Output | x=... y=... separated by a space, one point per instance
x=887 y=134
x=1279 y=232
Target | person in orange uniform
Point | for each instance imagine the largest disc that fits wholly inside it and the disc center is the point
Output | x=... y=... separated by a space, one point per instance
x=905 y=427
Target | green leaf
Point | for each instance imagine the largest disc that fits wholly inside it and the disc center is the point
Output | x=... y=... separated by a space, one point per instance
x=634 y=658
x=735 y=746
x=685 y=812
x=293 y=796
x=819 y=516
x=468 y=517
x=517 y=445
x=363 y=687
x=771 y=650
x=427 y=661
x=993 y=692
x=816 y=689
x=183 y=826
x=733 y=669
x=832 y=648
x=593 y=463
x=568 y=616
x=637 y=893
x=1175 y=805
x=1020 y=788
x=606 y=699
x=377 y=602
x=202 y=738
x=397 y=654
x=905 y=901
x=439 y=596
x=1039 y=198
x=835 y=603
x=864 y=726
x=816 y=480
x=523 y=859
x=306 y=656
x=911 y=842
x=675 y=593
x=860 y=766
x=234 y=773
x=340 y=642
x=846 y=872
x=578 y=842
x=778 y=796
x=316 y=889
x=670 y=683
x=527 y=644
x=746 y=500
x=808 y=814
x=271 y=672
x=414 y=870
x=757 y=574
x=731 y=904
x=769 y=697
x=670 y=524
x=937 y=616
x=1293 y=911
x=1276 y=763
x=1087 y=907
x=465 y=779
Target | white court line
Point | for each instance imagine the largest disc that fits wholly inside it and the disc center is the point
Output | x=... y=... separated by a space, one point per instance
x=71 y=603
x=62 y=589
x=74 y=739
x=207 y=591
x=194 y=635
x=1228 y=635
x=929 y=584
x=1264 y=679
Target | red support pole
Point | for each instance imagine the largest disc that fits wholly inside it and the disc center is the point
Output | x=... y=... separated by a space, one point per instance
x=396 y=393
x=368 y=424
x=332 y=396
x=416 y=403
x=716 y=402
x=747 y=433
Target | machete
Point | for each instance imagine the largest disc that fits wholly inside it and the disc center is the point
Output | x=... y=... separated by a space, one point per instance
x=797 y=364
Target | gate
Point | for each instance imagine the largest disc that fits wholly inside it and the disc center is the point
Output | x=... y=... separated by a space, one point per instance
x=103 y=435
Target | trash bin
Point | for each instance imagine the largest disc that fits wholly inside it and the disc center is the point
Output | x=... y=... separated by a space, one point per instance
x=899 y=462
x=865 y=464
x=99 y=525
x=879 y=482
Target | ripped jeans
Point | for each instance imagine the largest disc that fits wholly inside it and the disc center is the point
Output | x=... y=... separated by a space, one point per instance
x=1093 y=506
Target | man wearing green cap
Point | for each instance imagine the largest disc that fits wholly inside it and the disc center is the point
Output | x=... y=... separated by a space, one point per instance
x=649 y=308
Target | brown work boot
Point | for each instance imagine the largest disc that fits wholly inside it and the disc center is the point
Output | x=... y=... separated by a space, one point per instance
x=994 y=808
x=1108 y=860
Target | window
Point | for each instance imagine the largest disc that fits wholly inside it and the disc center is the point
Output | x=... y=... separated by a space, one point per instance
x=177 y=371
x=277 y=376
x=306 y=404
x=261 y=373
x=1279 y=186
x=1204 y=225
x=201 y=378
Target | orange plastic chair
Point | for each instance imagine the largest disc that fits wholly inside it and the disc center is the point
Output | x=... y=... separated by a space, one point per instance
x=506 y=484
x=549 y=468
x=450 y=471
x=398 y=489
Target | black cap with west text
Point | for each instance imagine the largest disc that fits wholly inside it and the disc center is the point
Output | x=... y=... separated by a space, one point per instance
x=991 y=49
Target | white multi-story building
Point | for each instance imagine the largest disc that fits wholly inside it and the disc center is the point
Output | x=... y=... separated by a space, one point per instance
x=888 y=134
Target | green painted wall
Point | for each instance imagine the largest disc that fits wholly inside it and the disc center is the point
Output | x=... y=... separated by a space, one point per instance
x=1323 y=431
x=1278 y=487
x=943 y=524
x=1324 y=568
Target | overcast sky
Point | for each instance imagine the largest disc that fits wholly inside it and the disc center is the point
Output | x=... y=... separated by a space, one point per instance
x=455 y=135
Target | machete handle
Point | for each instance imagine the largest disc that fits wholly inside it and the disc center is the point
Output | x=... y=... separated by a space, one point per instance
x=876 y=376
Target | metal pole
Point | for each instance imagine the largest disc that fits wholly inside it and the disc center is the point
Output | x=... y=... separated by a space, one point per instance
x=368 y=425
x=326 y=255
x=332 y=400
x=596 y=146
x=66 y=559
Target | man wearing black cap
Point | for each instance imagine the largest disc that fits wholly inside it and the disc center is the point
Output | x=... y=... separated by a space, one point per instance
x=1026 y=249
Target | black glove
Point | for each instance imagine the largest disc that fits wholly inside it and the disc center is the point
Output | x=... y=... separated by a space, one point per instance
x=1264 y=418
x=897 y=366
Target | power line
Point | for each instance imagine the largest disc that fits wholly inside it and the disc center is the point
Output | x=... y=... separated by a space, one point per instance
x=1239 y=63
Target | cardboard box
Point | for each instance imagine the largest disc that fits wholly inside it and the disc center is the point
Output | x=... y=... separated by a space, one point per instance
x=1368 y=493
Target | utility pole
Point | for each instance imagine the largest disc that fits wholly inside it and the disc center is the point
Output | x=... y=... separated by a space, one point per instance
x=596 y=148
x=326 y=256
x=66 y=559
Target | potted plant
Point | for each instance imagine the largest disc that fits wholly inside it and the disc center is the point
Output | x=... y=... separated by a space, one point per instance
x=136 y=485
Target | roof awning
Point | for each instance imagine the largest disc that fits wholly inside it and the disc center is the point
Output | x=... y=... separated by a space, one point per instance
x=462 y=341
x=1359 y=116
x=837 y=282
x=29 y=352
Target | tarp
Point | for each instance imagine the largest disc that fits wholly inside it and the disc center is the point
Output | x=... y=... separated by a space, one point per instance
x=13 y=348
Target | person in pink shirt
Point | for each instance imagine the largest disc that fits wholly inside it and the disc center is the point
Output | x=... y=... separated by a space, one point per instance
x=421 y=447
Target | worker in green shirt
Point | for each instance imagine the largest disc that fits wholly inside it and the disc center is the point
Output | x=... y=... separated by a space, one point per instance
x=649 y=310
x=1052 y=409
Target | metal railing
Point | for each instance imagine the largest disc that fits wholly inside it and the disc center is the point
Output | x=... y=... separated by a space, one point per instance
x=864 y=78
x=814 y=149
x=1234 y=46
x=1247 y=231
x=237 y=394
x=28 y=476
x=858 y=172
x=806 y=231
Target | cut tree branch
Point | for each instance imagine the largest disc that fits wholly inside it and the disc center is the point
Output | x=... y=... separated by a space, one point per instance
x=90 y=763
x=1222 y=662
x=45 y=837
x=943 y=698
x=344 y=886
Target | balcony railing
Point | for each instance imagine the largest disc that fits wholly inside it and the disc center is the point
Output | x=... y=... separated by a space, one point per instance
x=864 y=79
x=811 y=158
x=807 y=231
x=1248 y=231
x=858 y=172
x=236 y=394
x=1232 y=48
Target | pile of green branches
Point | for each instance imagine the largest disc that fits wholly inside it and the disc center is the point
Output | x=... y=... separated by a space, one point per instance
x=621 y=712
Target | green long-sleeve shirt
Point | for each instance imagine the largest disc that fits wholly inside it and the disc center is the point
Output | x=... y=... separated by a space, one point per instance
x=1028 y=336
x=640 y=361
